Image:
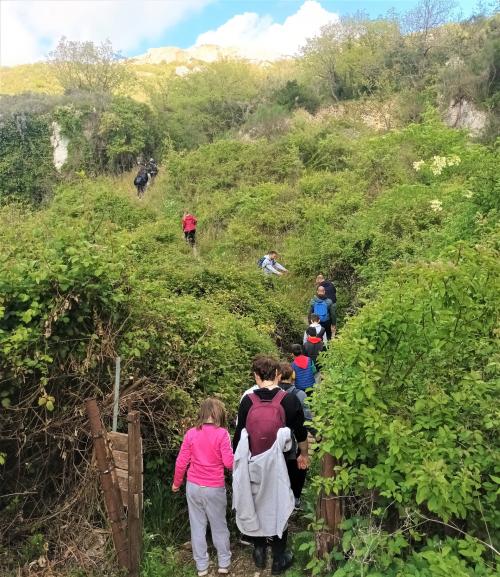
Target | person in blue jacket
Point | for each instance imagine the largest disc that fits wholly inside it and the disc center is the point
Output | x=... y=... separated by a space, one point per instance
x=304 y=369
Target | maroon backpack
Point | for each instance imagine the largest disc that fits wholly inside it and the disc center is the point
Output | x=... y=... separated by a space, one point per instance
x=263 y=421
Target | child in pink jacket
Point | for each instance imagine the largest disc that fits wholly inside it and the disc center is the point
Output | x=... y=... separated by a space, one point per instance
x=206 y=450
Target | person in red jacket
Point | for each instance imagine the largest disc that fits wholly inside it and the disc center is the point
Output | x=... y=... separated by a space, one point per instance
x=189 y=227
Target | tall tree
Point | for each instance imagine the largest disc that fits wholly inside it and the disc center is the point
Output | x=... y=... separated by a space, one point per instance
x=87 y=67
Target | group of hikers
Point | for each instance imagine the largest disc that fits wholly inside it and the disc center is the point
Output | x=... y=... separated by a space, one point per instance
x=146 y=175
x=269 y=452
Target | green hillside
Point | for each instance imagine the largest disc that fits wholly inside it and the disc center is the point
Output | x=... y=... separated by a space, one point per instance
x=359 y=179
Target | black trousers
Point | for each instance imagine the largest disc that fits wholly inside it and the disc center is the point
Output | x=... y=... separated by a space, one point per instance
x=297 y=477
x=189 y=236
x=278 y=545
x=327 y=325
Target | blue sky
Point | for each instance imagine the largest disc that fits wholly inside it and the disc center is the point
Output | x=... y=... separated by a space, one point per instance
x=213 y=15
x=31 y=28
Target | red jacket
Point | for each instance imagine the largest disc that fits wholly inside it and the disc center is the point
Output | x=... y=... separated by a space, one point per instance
x=189 y=223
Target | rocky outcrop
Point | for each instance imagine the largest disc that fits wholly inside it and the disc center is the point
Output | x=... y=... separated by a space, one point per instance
x=59 y=145
x=464 y=114
x=171 y=54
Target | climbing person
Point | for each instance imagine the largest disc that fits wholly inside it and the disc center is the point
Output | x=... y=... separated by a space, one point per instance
x=141 y=182
x=330 y=290
x=304 y=369
x=320 y=331
x=331 y=293
x=297 y=476
x=262 y=497
x=269 y=265
x=205 y=452
x=313 y=346
x=189 y=223
x=152 y=168
x=325 y=309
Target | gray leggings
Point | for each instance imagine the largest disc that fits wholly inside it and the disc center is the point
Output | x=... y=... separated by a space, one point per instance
x=208 y=505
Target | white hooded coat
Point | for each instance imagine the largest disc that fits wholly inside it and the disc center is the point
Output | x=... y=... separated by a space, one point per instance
x=262 y=497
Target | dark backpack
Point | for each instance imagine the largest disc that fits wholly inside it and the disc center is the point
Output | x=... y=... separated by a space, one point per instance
x=263 y=421
x=141 y=179
x=260 y=262
x=320 y=308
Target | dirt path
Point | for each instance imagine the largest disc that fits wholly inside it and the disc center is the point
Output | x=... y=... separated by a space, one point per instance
x=242 y=564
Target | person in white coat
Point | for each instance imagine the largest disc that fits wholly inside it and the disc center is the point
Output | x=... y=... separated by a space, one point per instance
x=262 y=496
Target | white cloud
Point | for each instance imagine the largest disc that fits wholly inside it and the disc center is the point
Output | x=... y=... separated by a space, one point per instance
x=259 y=37
x=31 y=28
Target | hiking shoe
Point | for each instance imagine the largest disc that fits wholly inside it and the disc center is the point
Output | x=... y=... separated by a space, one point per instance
x=260 y=557
x=223 y=570
x=203 y=573
x=282 y=563
x=297 y=503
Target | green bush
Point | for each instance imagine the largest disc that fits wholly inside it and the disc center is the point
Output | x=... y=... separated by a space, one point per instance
x=26 y=169
x=407 y=405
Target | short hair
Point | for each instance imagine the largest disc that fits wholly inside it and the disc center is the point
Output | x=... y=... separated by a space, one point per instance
x=285 y=370
x=296 y=350
x=311 y=331
x=272 y=252
x=321 y=288
x=315 y=318
x=265 y=367
x=214 y=409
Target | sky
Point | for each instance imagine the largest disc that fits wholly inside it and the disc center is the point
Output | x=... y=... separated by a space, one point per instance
x=29 y=29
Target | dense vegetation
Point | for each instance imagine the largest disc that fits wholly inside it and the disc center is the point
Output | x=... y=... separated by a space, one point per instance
x=401 y=213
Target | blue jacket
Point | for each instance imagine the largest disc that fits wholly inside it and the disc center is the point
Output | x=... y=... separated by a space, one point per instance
x=304 y=372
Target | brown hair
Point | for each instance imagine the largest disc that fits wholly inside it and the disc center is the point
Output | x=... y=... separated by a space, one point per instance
x=265 y=367
x=214 y=409
x=286 y=371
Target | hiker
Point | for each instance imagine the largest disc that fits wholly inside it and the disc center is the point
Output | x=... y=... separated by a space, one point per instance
x=304 y=370
x=331 y=293
x=152 y=168
x=320 y=331
x=189 y=227
x=330 y=290
x=297 y=476
x=313 y=346
x=205 y=452
x=325 y=309
x=141 y=182
x=269 y=265
x=262 y=496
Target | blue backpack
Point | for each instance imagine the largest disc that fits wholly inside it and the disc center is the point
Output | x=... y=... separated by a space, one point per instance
x=260 y=262
x=320 y=308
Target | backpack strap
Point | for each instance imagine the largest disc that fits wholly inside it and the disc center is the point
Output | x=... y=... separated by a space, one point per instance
x=274 y=401
x=279 y=397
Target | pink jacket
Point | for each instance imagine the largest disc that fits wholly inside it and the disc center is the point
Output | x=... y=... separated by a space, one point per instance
x=206 y=451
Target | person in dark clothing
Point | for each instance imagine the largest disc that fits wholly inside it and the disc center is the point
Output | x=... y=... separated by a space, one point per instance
x=325 y=308
x=330 y=290
x=297 y=476
x=265 y=370
x=313 y=346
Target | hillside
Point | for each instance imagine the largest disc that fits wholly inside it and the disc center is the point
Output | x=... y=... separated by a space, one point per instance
x=356 y=177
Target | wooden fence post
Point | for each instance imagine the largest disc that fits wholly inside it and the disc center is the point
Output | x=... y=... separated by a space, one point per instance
x=134 y=492
x=329 y=508
x=112 y=496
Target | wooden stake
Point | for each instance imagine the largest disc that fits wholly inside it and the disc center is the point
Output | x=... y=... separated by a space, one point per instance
x=134 y=492
x=329 y=508
x=111 y=492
